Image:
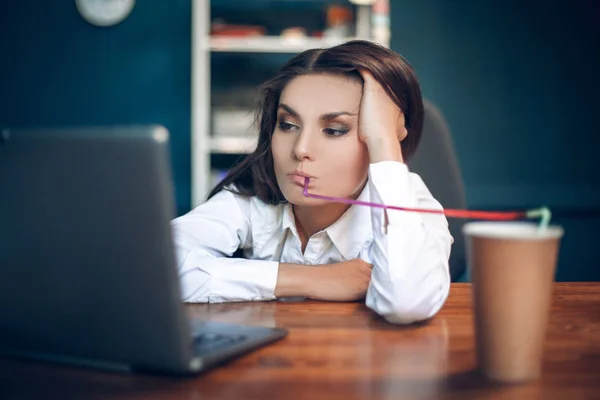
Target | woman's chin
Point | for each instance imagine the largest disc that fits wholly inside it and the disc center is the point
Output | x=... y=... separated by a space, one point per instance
x=309 y=202
x=297 y=198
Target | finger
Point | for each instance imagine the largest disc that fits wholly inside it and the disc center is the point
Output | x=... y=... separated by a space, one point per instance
x=366 y=74
x=363 y=262
x=369 y=80
x=402 y=131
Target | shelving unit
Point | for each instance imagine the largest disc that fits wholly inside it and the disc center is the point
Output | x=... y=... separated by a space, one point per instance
x=203 y=142
x=270 y=44
x=232 y=145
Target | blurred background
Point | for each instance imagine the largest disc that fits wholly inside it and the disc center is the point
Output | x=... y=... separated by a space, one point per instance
x=517 y=81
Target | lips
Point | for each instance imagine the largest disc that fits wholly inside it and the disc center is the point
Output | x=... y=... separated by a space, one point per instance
x=297 y=179
x=302 y=174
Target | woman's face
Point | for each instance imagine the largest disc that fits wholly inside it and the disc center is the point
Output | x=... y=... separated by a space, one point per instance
x=316 y=135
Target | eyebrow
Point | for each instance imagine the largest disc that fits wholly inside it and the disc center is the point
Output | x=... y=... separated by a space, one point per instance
x=325 y=117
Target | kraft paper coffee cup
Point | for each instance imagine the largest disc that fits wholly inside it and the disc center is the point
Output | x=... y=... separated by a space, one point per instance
x=512 y=267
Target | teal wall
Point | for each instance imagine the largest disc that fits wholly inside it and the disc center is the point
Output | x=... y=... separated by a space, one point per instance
x=519 y=83
x=58 y=70
x=517 y=80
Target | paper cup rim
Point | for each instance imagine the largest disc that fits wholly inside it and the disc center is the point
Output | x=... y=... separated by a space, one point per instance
x=511 y=230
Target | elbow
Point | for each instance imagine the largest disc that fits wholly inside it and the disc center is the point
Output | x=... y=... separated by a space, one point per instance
x=191 y=297
x=409 y=307
x=194 y=287
x=401 y=314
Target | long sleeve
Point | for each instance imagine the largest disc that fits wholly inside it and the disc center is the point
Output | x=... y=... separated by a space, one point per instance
x=410 y=280
x=205 y=238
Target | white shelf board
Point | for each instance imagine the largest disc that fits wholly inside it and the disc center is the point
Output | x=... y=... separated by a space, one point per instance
x=233 y=144
x=270 y=44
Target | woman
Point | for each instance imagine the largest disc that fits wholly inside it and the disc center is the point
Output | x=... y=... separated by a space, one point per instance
x=346 y=118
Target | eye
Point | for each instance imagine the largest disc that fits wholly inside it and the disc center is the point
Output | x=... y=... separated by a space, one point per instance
x=286 y=127
x=336 y=131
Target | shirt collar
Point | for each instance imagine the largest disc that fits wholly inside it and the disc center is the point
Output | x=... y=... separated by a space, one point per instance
x=349 y=233
x=289 y=221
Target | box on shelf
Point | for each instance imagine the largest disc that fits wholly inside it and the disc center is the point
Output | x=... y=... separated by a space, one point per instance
x=232 y=123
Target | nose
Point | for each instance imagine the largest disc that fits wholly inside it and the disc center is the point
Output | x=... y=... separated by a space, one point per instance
x=304 y=147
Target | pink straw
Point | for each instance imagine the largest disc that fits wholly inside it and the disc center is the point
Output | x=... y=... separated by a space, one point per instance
x=486 y=215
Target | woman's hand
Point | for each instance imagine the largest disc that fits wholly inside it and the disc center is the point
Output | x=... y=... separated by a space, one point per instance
x=344 y=281
x=381 y=122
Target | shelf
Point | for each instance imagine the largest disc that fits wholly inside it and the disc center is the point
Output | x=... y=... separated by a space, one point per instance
x=233 y=145
x=211 y=145
x=270 y=44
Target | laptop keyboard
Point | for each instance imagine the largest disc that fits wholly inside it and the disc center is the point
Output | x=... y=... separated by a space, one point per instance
x=210 y=341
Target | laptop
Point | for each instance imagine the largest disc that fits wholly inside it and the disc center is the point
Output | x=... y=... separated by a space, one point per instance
x=87 y=265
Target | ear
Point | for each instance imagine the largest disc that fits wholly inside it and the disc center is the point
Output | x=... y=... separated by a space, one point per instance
x=402 y=132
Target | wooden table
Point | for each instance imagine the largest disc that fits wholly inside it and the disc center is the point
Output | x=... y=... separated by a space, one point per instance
x=343 y=351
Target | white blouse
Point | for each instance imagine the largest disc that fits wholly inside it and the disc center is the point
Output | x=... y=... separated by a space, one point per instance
x=410 y=279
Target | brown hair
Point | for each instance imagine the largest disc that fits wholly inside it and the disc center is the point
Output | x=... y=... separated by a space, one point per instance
x=255 y=176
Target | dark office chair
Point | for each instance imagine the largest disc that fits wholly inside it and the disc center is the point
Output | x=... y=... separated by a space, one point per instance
x=436 y=162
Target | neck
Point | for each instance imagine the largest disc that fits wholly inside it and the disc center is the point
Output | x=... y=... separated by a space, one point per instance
x=313 y=219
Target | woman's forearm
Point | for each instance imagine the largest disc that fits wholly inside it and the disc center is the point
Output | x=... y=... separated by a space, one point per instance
x=294 y=280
